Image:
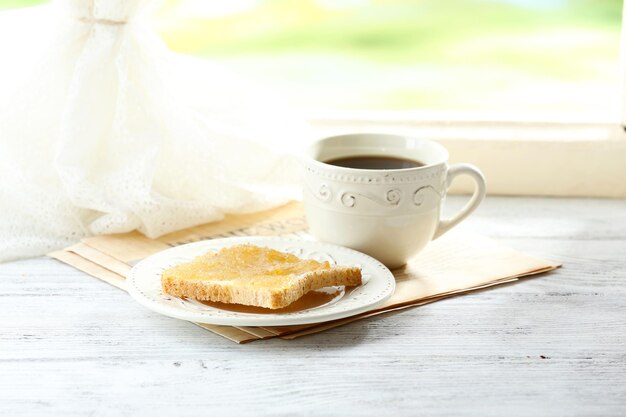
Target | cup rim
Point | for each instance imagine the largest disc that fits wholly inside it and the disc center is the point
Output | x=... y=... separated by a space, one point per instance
x=306 y=155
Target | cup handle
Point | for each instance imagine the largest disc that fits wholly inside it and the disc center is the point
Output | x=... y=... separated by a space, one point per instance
x=472 y=204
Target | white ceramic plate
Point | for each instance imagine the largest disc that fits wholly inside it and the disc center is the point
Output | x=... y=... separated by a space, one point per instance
x=144 y=284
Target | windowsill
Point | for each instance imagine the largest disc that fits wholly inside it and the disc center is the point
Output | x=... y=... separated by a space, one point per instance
x=540 y=158
x=473 y=117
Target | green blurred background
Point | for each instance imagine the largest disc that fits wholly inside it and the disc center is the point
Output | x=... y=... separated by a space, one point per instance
x=513 y=57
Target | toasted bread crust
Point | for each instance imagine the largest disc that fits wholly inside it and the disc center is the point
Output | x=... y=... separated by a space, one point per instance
x=222 y=291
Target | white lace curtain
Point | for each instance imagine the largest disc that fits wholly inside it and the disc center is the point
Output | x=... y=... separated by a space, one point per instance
x=104 y=130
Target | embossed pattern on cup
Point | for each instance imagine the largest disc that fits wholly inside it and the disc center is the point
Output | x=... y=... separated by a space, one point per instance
x=377 y=192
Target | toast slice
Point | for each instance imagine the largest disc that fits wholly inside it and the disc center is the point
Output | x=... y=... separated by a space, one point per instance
x=252 y=275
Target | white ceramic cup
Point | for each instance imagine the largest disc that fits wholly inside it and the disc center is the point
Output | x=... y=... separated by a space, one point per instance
x=388 y=214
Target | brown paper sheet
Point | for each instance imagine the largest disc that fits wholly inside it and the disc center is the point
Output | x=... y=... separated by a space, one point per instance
x=455 y=264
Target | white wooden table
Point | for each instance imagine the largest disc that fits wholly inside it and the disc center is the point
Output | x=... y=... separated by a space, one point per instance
x=71 y=345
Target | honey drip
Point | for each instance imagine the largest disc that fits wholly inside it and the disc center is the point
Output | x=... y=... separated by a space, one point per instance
x=310 y=300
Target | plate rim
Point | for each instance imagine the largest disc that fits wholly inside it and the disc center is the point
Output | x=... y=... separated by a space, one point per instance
x=255 y=319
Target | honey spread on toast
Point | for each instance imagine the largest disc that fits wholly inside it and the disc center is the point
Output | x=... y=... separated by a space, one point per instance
x=253 y=275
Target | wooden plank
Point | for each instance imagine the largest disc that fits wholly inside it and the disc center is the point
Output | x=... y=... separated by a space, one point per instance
x=549 y=346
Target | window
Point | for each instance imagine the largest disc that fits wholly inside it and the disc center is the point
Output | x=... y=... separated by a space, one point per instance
x=508 y=59
x=529 y=90
x=511 y=59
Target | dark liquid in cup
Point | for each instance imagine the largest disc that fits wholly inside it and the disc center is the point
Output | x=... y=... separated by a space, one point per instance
x=375 y=162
